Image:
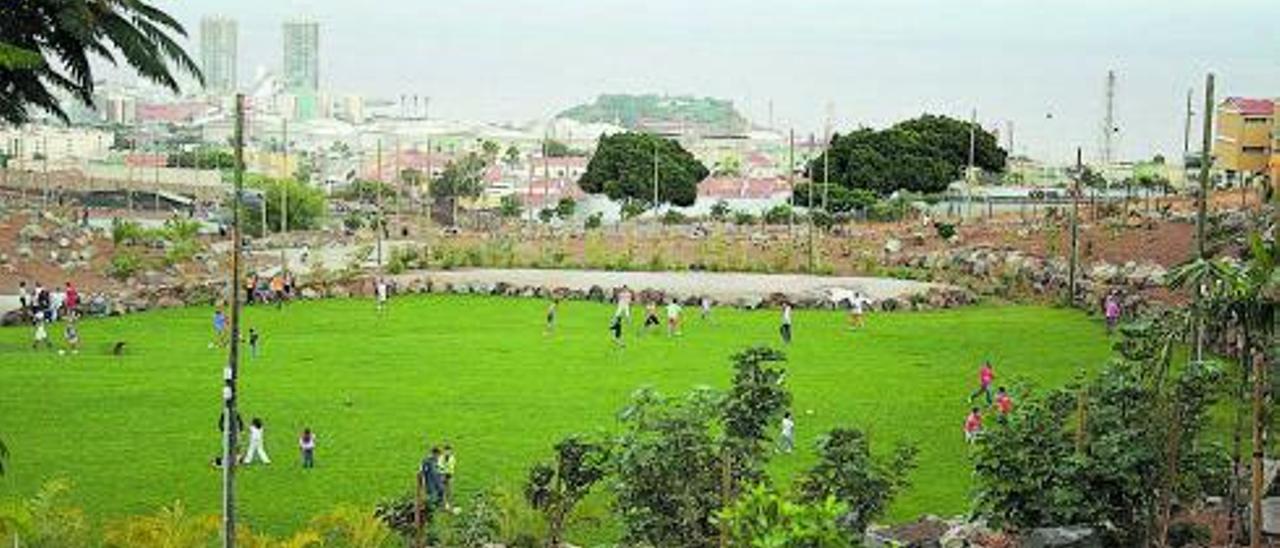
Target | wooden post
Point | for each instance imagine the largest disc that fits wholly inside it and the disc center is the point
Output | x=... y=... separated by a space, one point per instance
x=231 y=424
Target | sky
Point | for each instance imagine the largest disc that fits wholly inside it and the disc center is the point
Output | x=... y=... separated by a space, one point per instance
x=1038 y=64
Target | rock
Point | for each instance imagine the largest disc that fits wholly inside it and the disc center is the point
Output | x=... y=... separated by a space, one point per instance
x=64 y=242
x=750 y=303
x=1104 y=272
x=596 y=293
x=33 y=231
x=892 y=246
x=1062 y=537
x=15 y=317
x=309 y=293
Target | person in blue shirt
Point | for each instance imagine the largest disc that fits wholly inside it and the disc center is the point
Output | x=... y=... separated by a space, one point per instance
x=219 y=328
x=432 y=479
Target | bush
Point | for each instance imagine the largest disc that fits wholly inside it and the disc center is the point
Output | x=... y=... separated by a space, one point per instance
x=594 y=221
x=846 y=472
x=479 y=525
x=124 y=264
x=127 y=232
x=180 y=251
x=761 y=517
x=353 y=221
x=632 y=209
x=778 y=215
x=945 y=231
x=743 y=218
x=720 y=211
x=673 y=217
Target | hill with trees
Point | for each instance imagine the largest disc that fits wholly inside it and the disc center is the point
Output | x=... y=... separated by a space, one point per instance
x=638 y=112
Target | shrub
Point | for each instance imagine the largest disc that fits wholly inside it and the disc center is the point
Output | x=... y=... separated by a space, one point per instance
x=761 y=517
x=554 y=491
x=846 y=472
x=170 y=526
x=945 y=230
x=673 y=217
x=720 y=211
x=124 y=264
x=632 y=209
x=743 y=218
x=354 y=220
x=46 y=519
x=594 y=221
x=479 y=525
x=403 y=258
x=778 y=215
x=126 y=232
x=180 y=251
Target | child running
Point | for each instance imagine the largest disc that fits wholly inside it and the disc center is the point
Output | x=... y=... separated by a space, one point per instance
x=615 y=326
x=857 y=306
x=624 y=303
x=72 y=335
x=972 y=425
x=307 y=444
x=257 y=443
x=1004 y=405
x=651 y=316
x=380 y=290
x=673 y=318
x=219 y=329
x=986 y=375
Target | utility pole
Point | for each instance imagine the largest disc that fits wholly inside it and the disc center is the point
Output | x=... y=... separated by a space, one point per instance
x=230 y=424
x=791 y=178
x=1075 y=229
x=655 y=177
x=973 y=143
x=1109 y=121
x=826 y=155
x=381 y=221
x=284 y=194
x=1186 y=134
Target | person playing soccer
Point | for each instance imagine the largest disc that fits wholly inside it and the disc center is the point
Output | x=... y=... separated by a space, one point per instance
x=857 y=307
x=972 y=425
x=307 y=444
x=41 y=337
x=788 y=441
x=624 y=303
x=380 y=292
x=447 y=464
x=986 y=375
x=219 y=329
x=706 y=308
x=615 y=327
x=785 y=328
x=253 y=342
x=1004 y=404
x=673 y=318
x=72 y=335
x=257 y=443
x=651 y=316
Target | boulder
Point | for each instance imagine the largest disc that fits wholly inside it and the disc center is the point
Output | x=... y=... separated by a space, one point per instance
x=749 y=303
x=33 y=232
x=892 y=246
x=1078 y=536
x=596 y=293
x=64 y=242
x=15 y=317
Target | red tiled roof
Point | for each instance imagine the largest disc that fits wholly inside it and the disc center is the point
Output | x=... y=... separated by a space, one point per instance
x=741 y=187
x=1252 y=107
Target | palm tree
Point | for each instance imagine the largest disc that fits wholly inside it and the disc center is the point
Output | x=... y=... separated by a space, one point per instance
x=46 y=48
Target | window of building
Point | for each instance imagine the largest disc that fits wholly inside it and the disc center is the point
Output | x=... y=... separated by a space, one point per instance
x=1253 y=150
x=1257 y=120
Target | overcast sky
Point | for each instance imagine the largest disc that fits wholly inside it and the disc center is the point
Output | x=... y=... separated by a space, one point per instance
x=876 y=61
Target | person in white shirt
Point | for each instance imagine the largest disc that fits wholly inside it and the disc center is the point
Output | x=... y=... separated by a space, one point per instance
x=380 y=290
x=706 y=308
x=257 y=443
x=624 y=303
x=788 y=440
x=857 y=307
x=673 y=318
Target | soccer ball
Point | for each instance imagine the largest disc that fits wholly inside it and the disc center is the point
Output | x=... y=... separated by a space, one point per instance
x=62 y=352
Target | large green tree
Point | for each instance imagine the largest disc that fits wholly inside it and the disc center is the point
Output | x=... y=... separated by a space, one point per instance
x=923 y=154
x=623 y=165
x=46 y=47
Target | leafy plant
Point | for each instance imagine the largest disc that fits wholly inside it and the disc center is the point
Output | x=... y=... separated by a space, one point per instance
x=478 y=525
x=594 y=221
x=763 y=518
x=46 y=519
x=847 y=472
x=352 y=527
x=720 y=211
x=170 y=527
x=555 y=489
x=673 y=217
x=124 y=264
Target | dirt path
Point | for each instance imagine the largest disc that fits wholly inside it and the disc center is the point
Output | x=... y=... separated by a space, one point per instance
x=720 y=286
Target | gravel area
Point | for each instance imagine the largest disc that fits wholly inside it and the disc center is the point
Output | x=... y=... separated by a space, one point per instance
x=720 y=286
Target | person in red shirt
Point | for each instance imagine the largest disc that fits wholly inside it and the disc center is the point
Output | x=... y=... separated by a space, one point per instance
x=985 y=377
x=972 y=425
x=72 y=301
x=1004 y=404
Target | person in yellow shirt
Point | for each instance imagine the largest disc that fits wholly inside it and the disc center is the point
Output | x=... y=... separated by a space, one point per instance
x=446 y=466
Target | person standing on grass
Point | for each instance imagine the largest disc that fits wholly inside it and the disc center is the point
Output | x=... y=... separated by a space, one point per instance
x=72 y=334
x=24 y=299
x=986 y=375
x=42 y=301
x=651 y=316
x=624 y=303
x=857 y=308
x=1111 y=309
x=785 y=329
x=41 y=337
x=257 y=443
x=219 y=328
x=72 y=299
x=447 y=463
x=1004 y=405
x=706 y=308
x=551 y=316
x=380 y=292
x=253 y=343
x=972 y=425
x=429 y=475
x=307 y=444
x=673 y=318
x=277 y=290
x=788 y=433
x=615 y=327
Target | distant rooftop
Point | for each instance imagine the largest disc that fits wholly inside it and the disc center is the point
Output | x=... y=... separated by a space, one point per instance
x=1250 y=106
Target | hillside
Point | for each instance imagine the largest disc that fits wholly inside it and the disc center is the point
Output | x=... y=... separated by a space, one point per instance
x=660 y=112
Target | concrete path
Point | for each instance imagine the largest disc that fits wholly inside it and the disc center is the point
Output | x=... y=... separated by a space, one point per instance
x=720 y=286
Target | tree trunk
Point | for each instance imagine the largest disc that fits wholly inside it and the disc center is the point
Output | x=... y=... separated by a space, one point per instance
x=1171 y=475
x=1237 y=435
x=1259 y=388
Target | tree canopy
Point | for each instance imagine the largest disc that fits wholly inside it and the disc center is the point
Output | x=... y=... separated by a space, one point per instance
x=923 y=154
x=622 y=169
x=46 y=47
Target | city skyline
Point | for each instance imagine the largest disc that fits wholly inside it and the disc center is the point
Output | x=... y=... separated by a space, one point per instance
x=1042 y=68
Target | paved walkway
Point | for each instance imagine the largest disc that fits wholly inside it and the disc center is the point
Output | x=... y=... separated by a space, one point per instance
x=721 y=286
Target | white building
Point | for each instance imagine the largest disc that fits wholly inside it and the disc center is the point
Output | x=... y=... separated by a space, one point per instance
x=28 y=147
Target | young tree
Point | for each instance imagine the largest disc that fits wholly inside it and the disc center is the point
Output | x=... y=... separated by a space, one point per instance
x=565 y=208
x=50 y=46
x=762 y=517
x=720 y=211
x=623 y=169
x=846 y=472
x=509 y=207
x=555 y=489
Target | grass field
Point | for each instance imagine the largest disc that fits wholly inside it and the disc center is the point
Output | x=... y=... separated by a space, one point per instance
x=137 y=432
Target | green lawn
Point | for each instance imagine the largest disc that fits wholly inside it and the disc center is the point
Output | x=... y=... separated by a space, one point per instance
x=137 y=432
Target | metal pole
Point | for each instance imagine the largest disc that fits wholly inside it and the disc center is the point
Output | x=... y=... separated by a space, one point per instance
x=230 y=424
x=1075 y=229
x=655 y=176
x=1202 y=203
x=381 y=221
x=1186 y=135
x=284 y=194
x=791 y=179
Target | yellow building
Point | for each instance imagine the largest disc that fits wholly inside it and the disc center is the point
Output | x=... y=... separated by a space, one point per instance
x=1246 y=133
